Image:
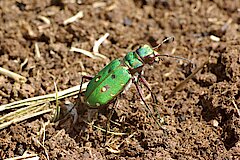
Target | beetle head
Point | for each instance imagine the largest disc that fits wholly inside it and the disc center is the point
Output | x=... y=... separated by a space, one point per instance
x=148 y=55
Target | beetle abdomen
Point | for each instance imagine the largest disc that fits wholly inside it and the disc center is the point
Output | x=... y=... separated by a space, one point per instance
x=107 y=84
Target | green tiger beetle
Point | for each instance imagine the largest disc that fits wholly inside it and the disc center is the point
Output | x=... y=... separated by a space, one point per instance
x=119 y=74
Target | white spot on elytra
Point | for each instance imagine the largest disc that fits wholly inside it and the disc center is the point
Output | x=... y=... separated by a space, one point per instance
x=104 y=89
x=97 y=79
x=112 y=95
x=97 y=104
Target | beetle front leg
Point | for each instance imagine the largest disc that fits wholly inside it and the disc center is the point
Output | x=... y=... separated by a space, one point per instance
x=135 y=81
x=147 y=85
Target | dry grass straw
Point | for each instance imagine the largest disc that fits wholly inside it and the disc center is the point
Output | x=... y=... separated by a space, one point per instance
x=236 y=107
x=35 y=106
x=79 y=50
x=97 y=45
x=110 y=132
x=73 y=18
x=180 y=85
x=25 y=157
x=95 y=54
x=57 y=114
x=12 y=75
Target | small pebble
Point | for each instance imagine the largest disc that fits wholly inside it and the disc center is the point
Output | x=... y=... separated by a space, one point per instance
x=215 y=123
x=127 y=21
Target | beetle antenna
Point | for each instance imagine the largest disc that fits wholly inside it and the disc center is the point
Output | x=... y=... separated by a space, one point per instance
x=167 y=55
x=176 y=57
x=165 y=40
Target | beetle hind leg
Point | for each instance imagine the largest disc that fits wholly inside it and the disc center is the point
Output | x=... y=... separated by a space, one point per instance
x=109 y=116
x=71 y=109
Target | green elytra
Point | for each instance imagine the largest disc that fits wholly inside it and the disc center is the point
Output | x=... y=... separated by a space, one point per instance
x=113 y=78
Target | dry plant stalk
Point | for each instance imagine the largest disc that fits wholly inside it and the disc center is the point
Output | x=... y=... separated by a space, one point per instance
x=73 y=18
x=35 y=106
x=180 y=85
x=49 y=97
x=25 y=157
x=79 y=50
x=97 y=45
x=13 y=75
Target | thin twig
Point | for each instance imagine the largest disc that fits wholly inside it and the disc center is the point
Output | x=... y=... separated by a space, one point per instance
x=24 y=63
x=44 y=19
x=99 y=4
x=45 y=150
x=101 y=129
x=37 y=51
x=13 y=75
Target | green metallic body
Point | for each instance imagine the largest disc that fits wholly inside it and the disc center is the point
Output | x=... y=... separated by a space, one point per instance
x=107 y=84
x=113 y=78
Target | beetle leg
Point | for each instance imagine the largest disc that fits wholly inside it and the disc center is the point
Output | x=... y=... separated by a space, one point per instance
x=85 y=77
x=147 y=85
x=91 y=115
x=145 y=103
x=72 y=110
x=80 y=89
x=116 y=103
x=140 y=93
x=111 y=111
